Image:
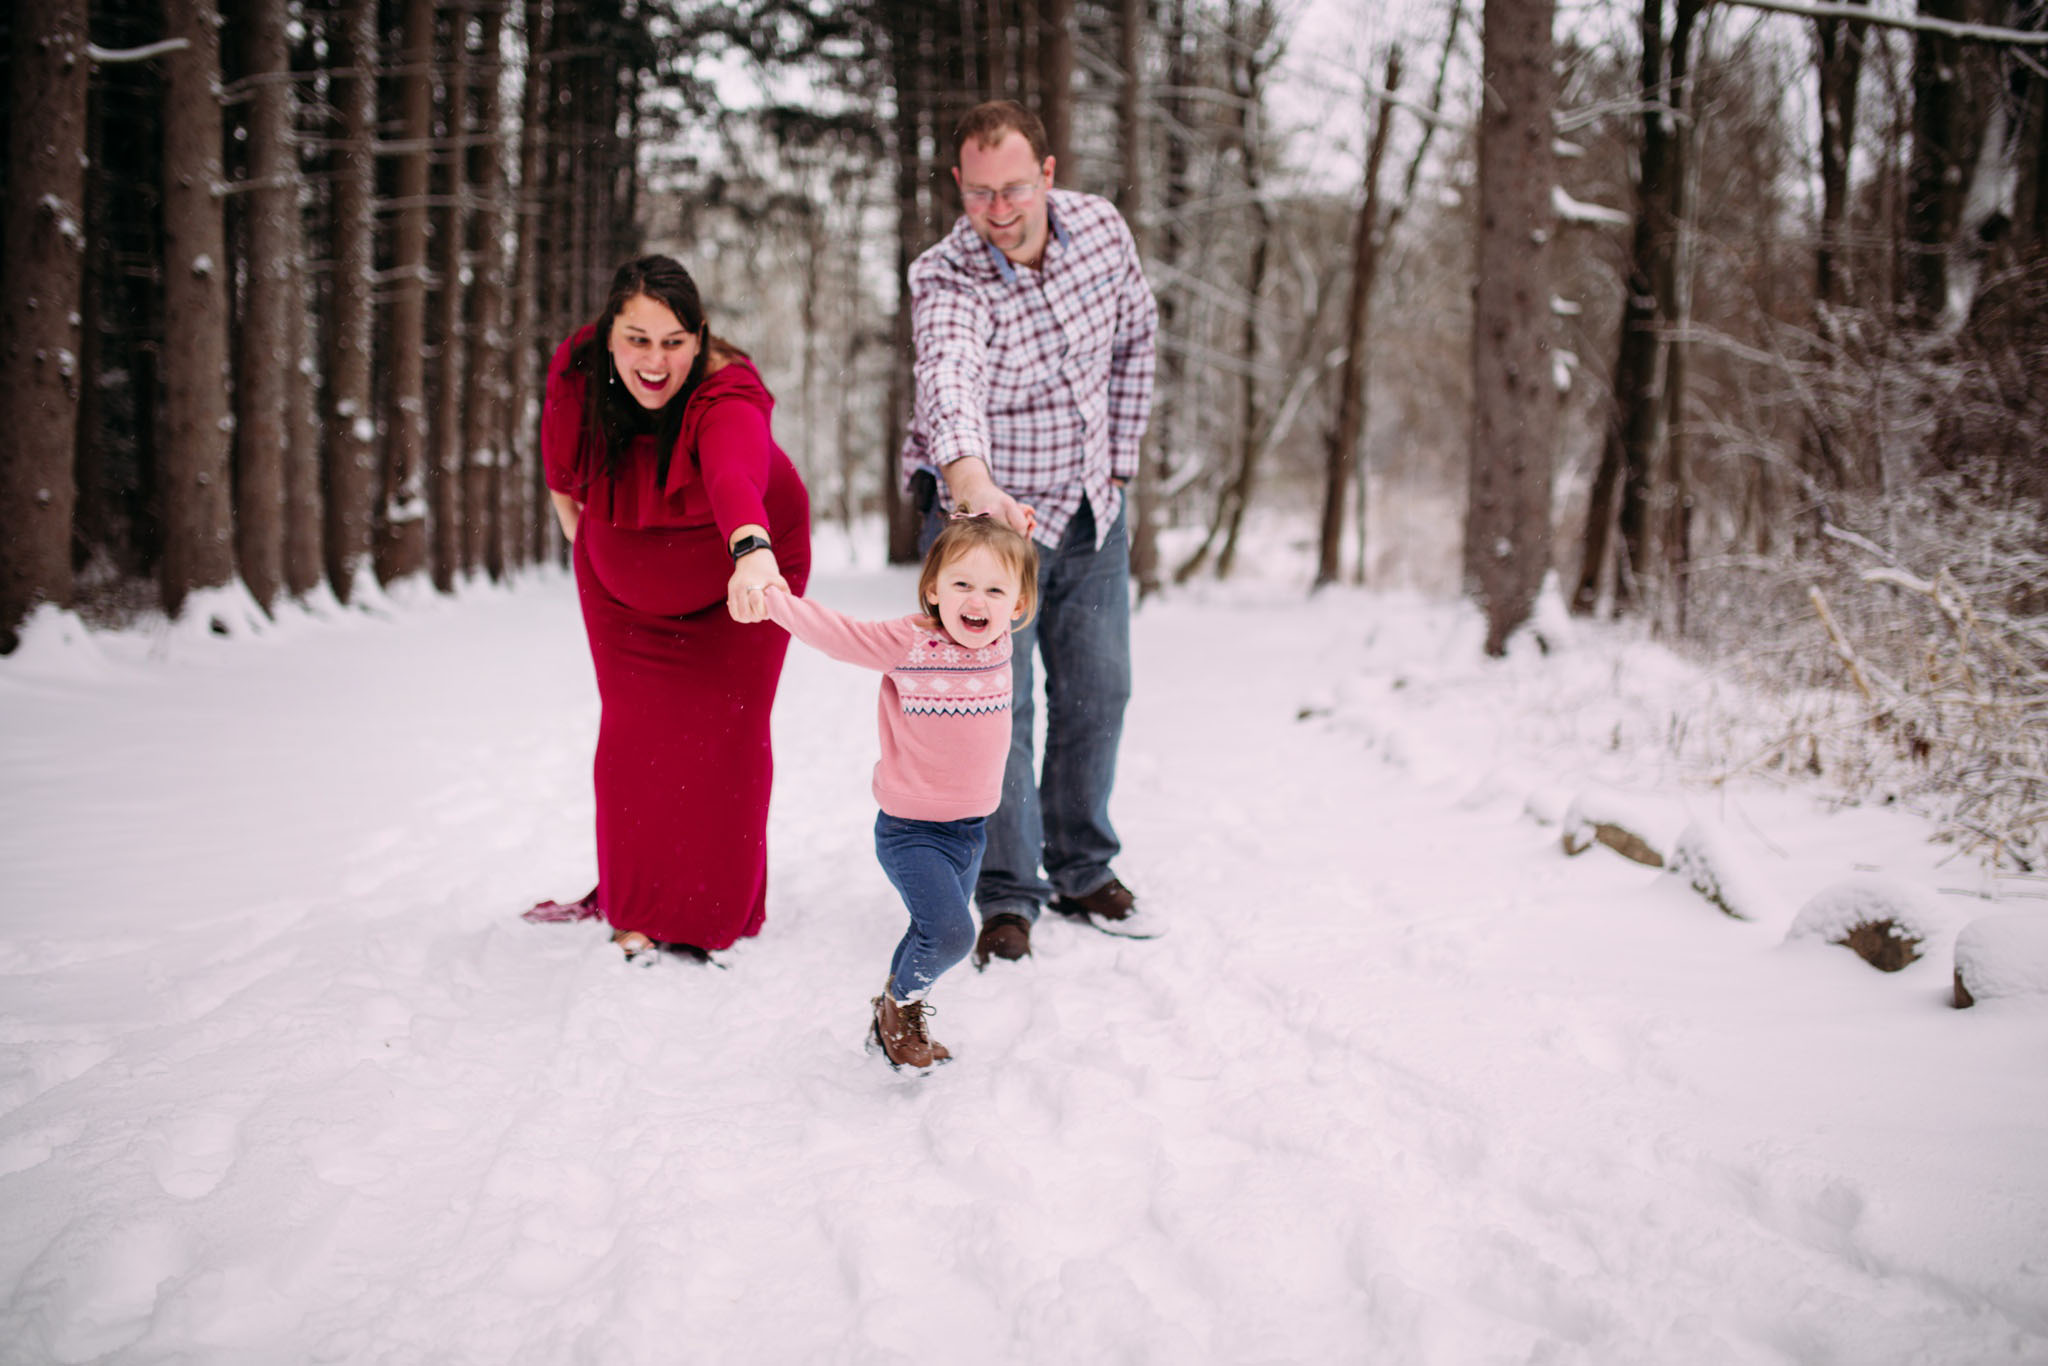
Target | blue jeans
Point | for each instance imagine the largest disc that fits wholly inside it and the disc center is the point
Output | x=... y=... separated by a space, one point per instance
x=933 y=865
x=1057 y=814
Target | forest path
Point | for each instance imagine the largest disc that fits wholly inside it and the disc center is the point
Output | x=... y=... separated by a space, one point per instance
x=283 y=1076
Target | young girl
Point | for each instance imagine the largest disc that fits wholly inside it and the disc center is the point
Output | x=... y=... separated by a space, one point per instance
x=945 y=724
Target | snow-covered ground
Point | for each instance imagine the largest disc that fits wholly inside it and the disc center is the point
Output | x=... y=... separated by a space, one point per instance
x=284 y=1078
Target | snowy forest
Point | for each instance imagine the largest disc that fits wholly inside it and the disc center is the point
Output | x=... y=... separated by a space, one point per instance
x=1723 y=318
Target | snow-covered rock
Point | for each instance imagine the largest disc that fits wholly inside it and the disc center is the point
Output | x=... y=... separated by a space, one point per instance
x=1634 y=827
x=1999 y=956
x=1884 y=919
x=1710 y=864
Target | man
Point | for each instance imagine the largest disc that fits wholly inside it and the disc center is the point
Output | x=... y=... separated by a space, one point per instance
x=1034 y=326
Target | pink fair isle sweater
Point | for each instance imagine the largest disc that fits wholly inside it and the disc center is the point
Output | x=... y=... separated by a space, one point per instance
x=944 y=712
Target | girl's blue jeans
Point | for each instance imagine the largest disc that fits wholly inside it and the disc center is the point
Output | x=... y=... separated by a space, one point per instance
x=934 y=865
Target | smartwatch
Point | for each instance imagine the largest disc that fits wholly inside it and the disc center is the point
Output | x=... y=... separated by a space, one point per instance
x=747 y=545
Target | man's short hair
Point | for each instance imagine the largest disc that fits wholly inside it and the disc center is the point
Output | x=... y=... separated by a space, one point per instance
x=990 y=121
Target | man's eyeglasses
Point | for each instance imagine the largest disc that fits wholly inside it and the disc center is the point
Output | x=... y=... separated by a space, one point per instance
x=1016 y=196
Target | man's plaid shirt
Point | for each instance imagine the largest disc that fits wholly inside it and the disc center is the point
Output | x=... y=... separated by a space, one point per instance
x=1045 y=375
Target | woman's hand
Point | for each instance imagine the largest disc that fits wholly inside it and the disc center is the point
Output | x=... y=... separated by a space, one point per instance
x=568 y=512
x=745 y=592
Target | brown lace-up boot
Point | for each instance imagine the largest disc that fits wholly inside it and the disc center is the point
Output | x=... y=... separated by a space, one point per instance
x=901 y=1033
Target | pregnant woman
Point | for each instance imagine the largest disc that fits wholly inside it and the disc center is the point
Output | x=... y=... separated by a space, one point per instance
x=676 y=500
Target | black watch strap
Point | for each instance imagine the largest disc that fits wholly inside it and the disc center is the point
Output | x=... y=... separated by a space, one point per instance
x=747 y=545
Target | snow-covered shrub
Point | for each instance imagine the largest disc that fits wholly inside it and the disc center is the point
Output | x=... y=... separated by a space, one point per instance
x=1905 y=655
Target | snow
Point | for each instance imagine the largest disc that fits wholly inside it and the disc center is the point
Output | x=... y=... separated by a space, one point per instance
x=283 y=1077
x=2004 y=955
x=1570 y=210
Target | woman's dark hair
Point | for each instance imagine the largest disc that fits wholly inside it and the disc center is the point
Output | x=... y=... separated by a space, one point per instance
x=611 y=417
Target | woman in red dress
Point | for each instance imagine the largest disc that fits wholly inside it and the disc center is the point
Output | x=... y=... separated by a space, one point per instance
x=676 y=500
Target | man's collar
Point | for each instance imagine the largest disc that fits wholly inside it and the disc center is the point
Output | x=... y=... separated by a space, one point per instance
x=1004 y=267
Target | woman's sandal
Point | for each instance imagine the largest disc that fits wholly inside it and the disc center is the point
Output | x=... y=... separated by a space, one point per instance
x=638 y=948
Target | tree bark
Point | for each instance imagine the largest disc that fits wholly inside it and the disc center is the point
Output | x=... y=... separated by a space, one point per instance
x=1507 y=517
x=402 y=538
x=450 y=496
x=485 y=452
x=524 y=515
x=1839 y=57
x=1949 y=111
x=905 y=25
x=198 y=424
x=1056 y=80
x=1254 y=61
x=39 y=325
x=1341 y=459
x=351 y=451
x=1170 y=242
x=263 y=438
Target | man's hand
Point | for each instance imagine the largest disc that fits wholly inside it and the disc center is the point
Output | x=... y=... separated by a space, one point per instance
x=974 y=491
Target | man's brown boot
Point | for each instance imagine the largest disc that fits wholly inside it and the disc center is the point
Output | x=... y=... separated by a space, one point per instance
x=1003 y=935
x=900 y=1032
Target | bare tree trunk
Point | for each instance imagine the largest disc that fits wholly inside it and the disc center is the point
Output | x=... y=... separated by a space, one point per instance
x=264 y=374
x=1674 y=295
x=1162 y=433
x=197 y=421
x=1639 y=374
x=1632 y=454
x=1507 y=518
x=1949 y=109
x=1141 y=499
x=351 y=428
x=1839 y=56
x=1056 y=80
x=1255 y=60
x=39 y=313
x=402 y=544
x=1342 y=456
x=449 y=494
x=485 y=453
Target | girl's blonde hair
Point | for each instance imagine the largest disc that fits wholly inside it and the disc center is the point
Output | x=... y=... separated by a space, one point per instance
x=1017 y=553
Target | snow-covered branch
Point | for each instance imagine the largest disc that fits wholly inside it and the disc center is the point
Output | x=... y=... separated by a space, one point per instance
x=107 y=56
x=1861 y=14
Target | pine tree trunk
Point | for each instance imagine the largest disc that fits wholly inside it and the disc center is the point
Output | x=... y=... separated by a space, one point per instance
x=39 y=314
x=525 y=522
x=267 y=346
x=904 y=29
x=450 y=496
x=485 y=452
x=1056 y=82
x=1507 y=516
x=402 y=539
x=198 y=424
x=351 y=430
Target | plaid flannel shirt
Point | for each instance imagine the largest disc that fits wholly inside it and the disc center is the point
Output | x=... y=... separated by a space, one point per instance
x=1045 y=375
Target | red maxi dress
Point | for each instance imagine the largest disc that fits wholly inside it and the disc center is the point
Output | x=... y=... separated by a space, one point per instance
x=683 y=759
